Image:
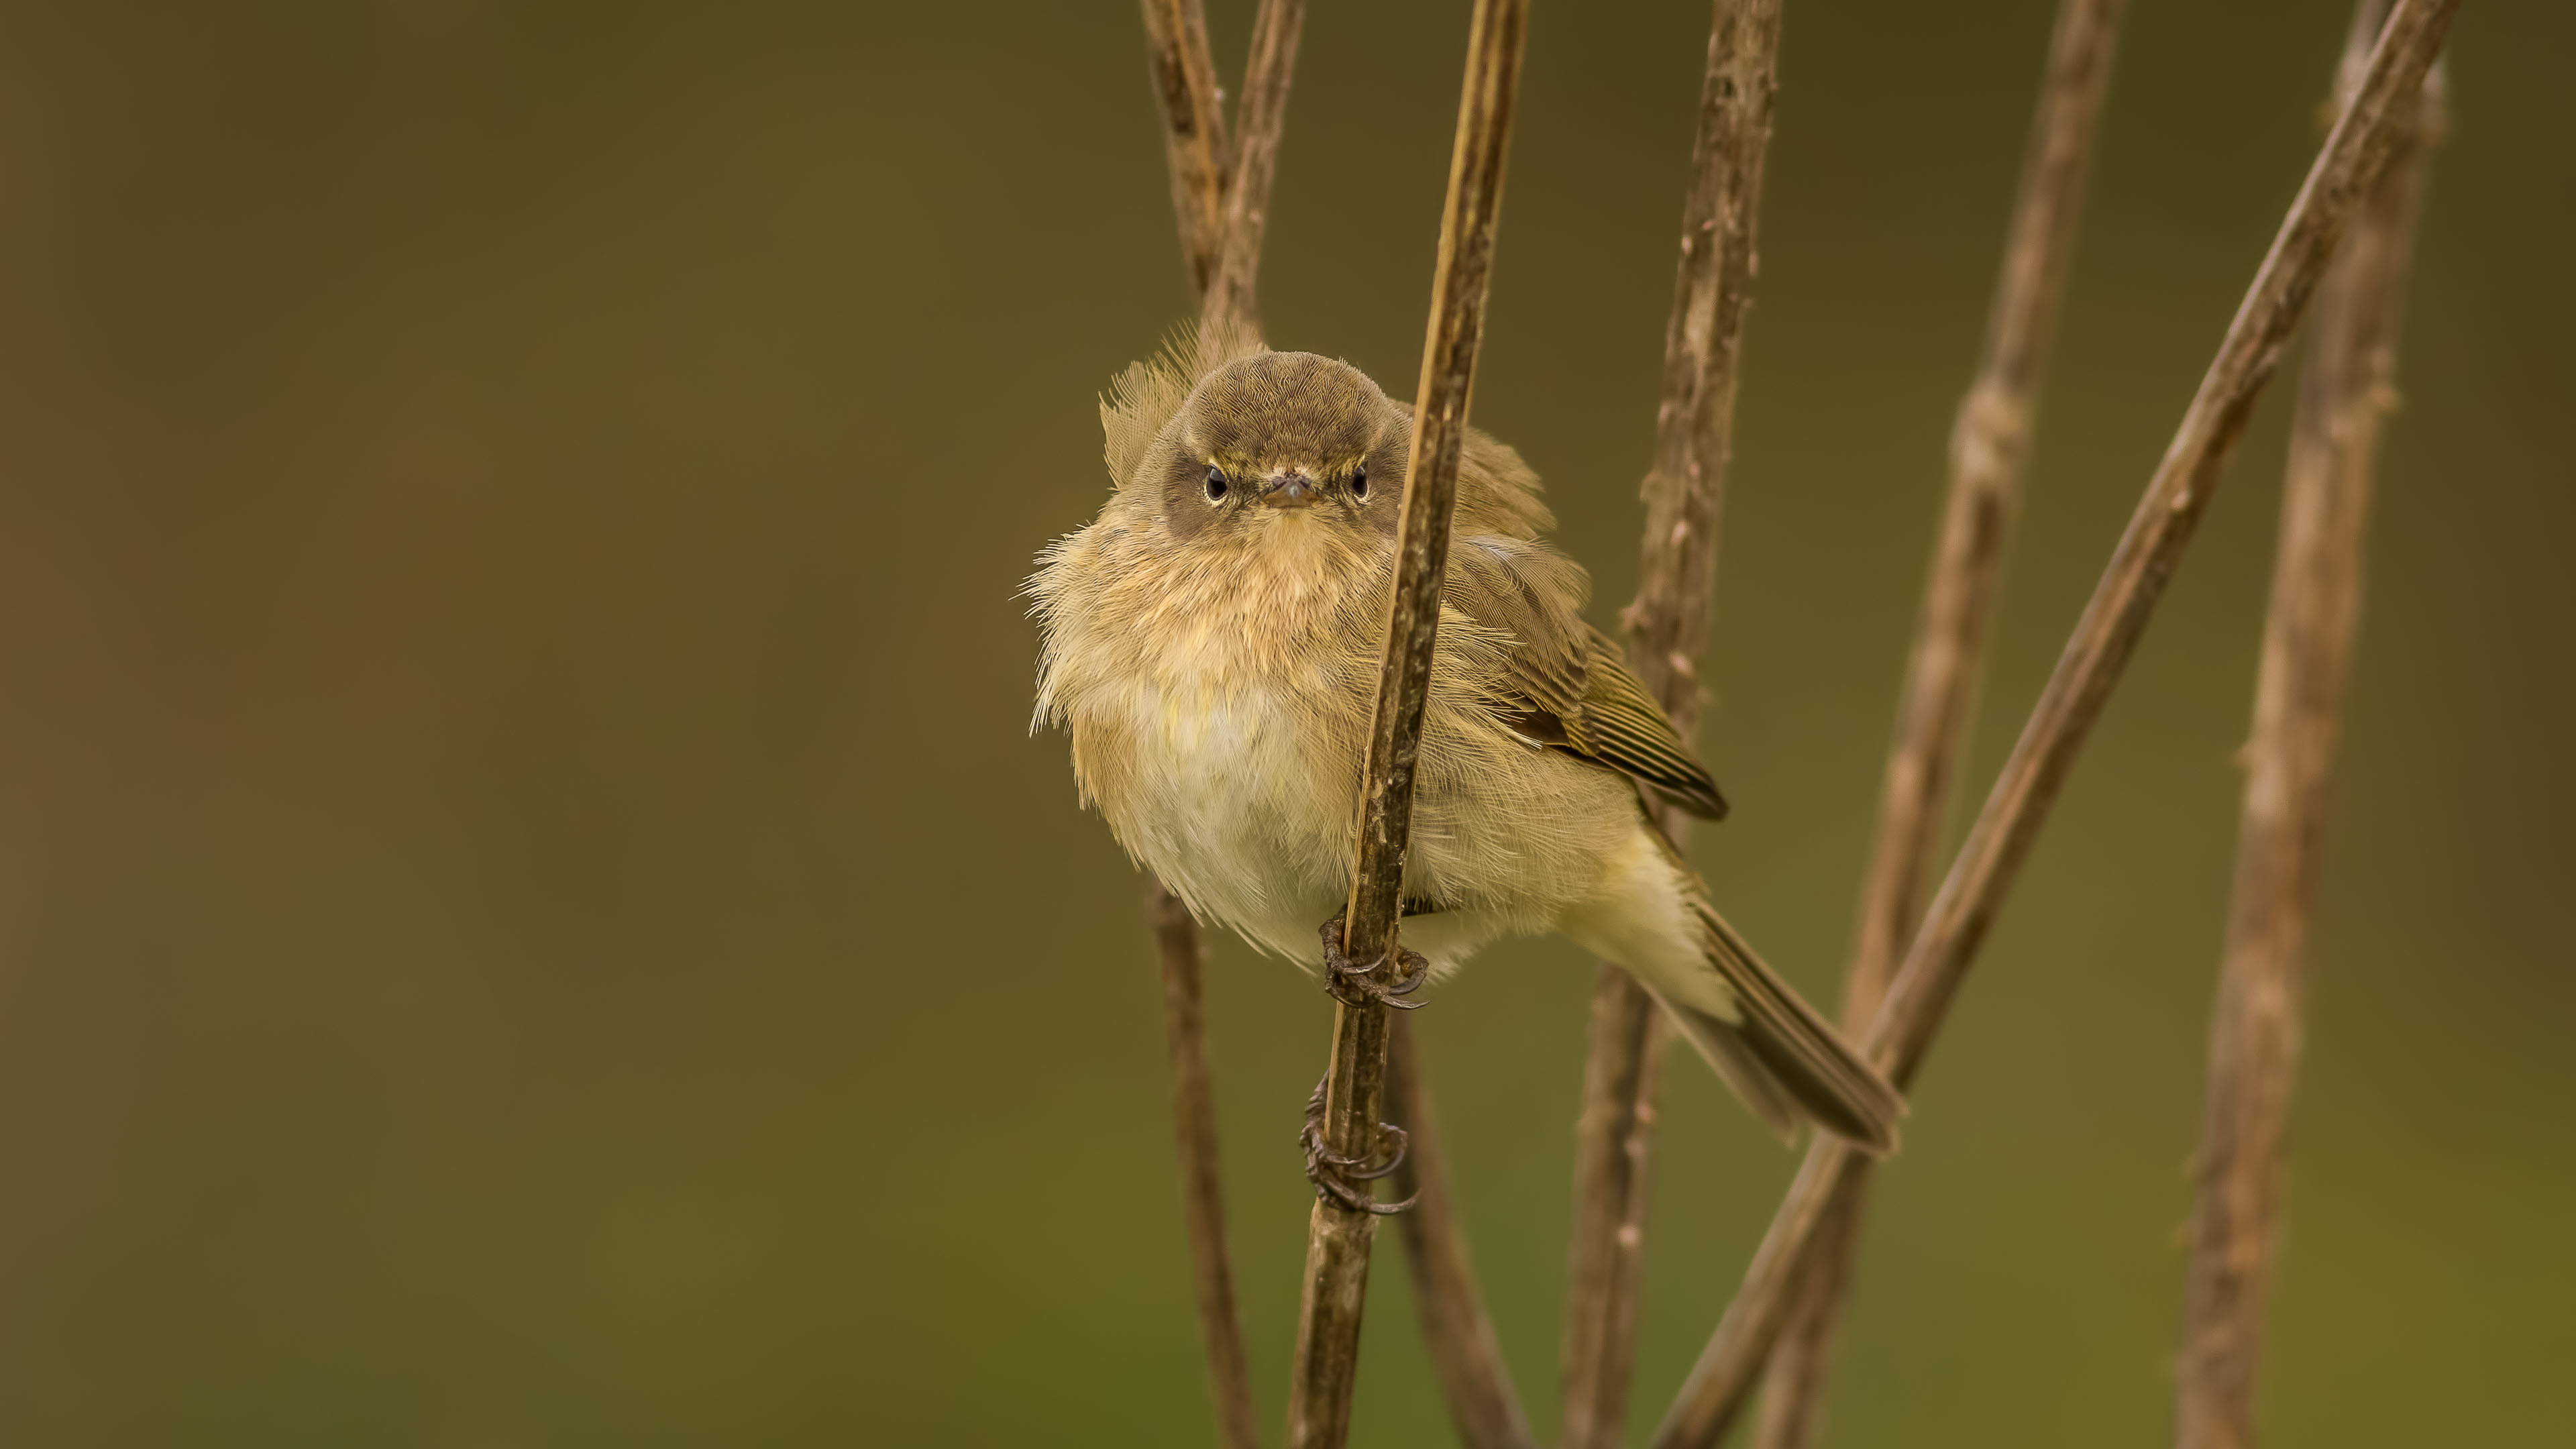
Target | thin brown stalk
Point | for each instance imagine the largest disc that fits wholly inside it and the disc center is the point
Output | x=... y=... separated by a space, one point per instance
x=2298 y=703
x=1259 y=120
x=1176 y=47
x=1989 y=443
x=1695 y=425
x=2363 y=140
x=1464 y=1351
x=1176 y=938
x=1667 y=627
x=1614 y=1140
x=1338 y=1239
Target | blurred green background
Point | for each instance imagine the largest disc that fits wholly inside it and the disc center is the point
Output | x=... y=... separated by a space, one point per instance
x=530 y=914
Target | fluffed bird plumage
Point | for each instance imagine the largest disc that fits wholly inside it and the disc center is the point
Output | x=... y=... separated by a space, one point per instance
x=1212 y=645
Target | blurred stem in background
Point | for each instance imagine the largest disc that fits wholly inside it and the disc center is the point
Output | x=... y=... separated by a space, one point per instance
x=2345 y=389
x=2363 y=141
x=1183 y=958
x=1989 y=444
x=1176 y=46
x=1668 y=632
x=1261 y=117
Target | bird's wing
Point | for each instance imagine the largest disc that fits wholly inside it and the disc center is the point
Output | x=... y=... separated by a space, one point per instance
x=1563 y=683
x=1630 y=732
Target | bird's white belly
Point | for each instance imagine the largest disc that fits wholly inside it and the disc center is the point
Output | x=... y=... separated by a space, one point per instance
x=1233 y=804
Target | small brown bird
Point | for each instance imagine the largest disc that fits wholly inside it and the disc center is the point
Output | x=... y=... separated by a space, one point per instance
x=1212 y=644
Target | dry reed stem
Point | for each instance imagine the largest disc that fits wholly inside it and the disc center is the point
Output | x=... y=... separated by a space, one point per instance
x=1989 y=443
x=1337 y=1245
x=2345 y=387
x=1176 y=938
x=1464 y=1352
x=1258 y=121
x=1667 y=627
x=2348 y=166
x=1695 y=424
x=1176 y=46
x=1614 y=1140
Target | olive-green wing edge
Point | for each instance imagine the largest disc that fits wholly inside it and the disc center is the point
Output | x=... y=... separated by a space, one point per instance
x=1614 y=722
x=1629 y=732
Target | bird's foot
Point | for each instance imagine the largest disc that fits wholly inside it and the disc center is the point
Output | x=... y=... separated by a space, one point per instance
x=1343 y=1180
x=1383 y=981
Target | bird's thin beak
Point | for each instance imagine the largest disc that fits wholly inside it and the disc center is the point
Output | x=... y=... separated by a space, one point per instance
x=1290 y=490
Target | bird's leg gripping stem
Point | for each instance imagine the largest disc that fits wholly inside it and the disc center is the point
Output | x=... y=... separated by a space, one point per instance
x=1356 y=985
x=1340 y=1179
x=1343 y=1180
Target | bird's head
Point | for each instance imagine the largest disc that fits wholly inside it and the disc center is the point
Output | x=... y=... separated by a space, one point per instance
x=1282 y=439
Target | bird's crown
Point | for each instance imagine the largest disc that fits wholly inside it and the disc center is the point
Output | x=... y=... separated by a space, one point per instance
x=1276 y=411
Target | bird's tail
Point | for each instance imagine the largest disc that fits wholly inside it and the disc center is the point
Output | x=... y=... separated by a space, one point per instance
x=1780 y=1056
x=1653 y=917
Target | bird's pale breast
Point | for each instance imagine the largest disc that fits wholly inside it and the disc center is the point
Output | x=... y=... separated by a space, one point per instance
x=1236 y=801
x=1219 y=713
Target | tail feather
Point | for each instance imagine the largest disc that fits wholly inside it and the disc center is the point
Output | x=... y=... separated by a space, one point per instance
x=1801 y=1051
x=1736 y=1064
x=1777 y=1053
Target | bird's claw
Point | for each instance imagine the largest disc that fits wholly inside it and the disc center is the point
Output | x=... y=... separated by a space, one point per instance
x=1358 y=985
x=1334 y=1174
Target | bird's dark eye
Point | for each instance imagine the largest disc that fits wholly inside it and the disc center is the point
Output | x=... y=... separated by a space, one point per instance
x=1359 y=482
x=1216 y=485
